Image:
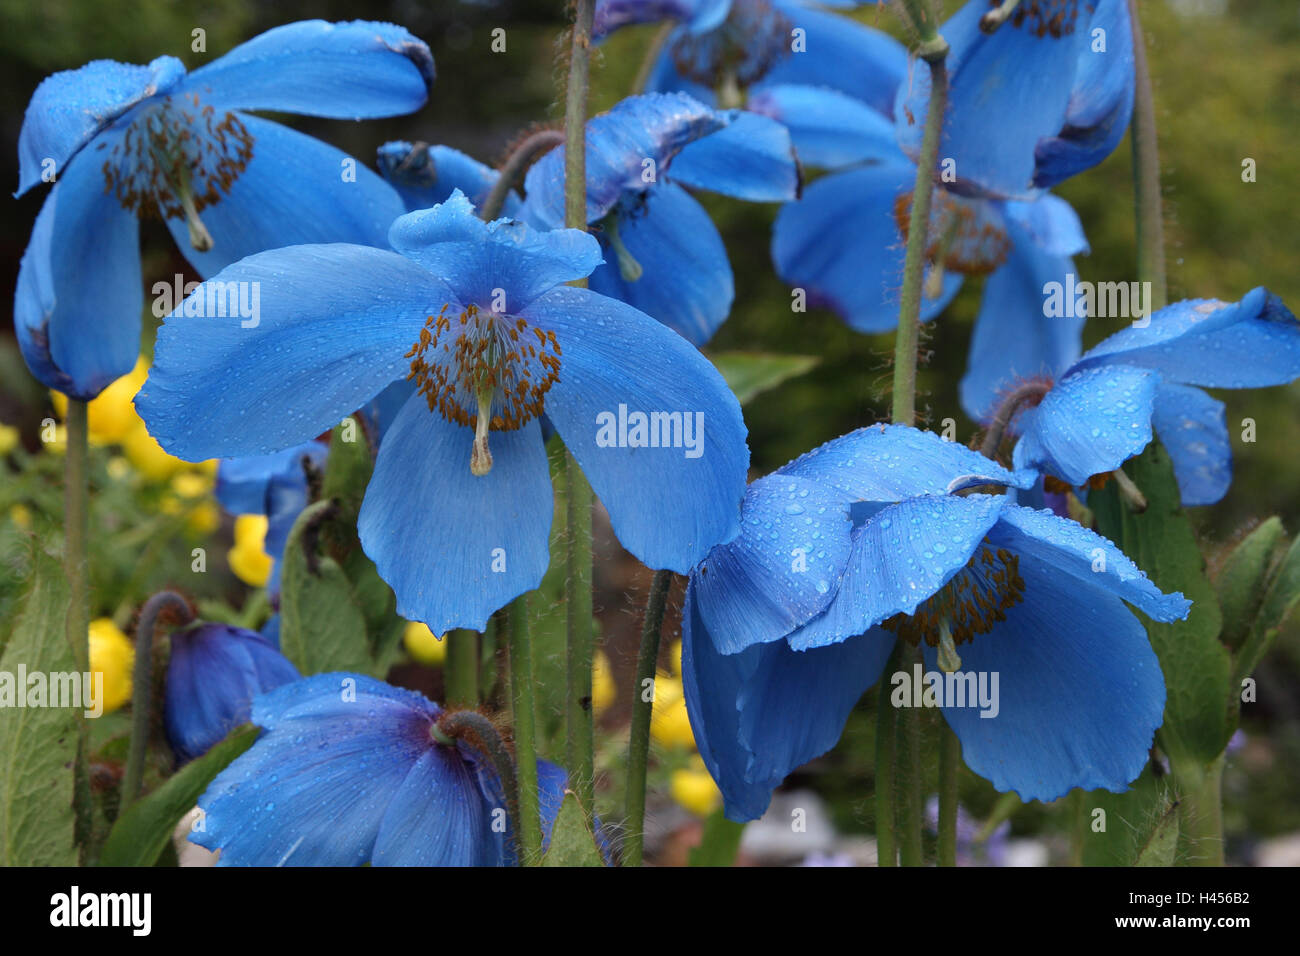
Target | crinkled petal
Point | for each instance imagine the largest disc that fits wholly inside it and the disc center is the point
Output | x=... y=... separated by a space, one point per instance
x=782 y=569
x=750 y=158
x=425 y=176
x=686 y=281
x=671 y=504
x=1246 y=344
x=71 y=107
x=1193 y=428
x=487 y=261
x=453 y=546
x=333 y=325
x=1091 y=422
x=830 y=129
x=357 y=70
x=840 y=241
x=293 y=192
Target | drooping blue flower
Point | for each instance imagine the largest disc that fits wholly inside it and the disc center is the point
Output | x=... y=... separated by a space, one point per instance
x=122 y=142
x=346 y=772
x=213 y=675
x=864 y=541
x=662 y=252
x=458 y=510
x=1147 y=378
x=1044 y=97
x=425 y=175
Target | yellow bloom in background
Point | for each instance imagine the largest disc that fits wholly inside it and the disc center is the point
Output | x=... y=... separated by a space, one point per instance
x=694 y=789
x=203 y=519
x=669 y=724
x=21 y=516
x=111 y=654
x=111 y=414
x=248 y=559
x=57 y=442
x=675 y=658
x=423 y=645
x=8 y=439
x=602 y=684
x=147 y=455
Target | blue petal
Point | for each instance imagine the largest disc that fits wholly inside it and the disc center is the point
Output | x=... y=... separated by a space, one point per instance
x=750 y=158
x=477 y=258
x=887 y=463
x=334 y=324
x=1091 y=422
x=1070 y=550
x=1246 y=344
x=357 y=70
x=314 y=788
x=1079 y=693
x=1014 y=340
x=783 y=568
x=293 y=192
x=77 y=308
x=699 y=15
x=455 y=547
x=1193 y=429
x=213 y=674
x=686 y=280
x=830 y=129
x=760 y=714
x=667 y=507
x=841 y=242
x=242 y=482
x=70 y=107
x=287 y=495
x=839 y=53
x=1101 y=103
x=419 y=829
x=901 y=557
x=1007 y=91
x=652 y=128
x=427 y=175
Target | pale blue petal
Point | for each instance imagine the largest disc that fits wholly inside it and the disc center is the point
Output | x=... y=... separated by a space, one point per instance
x=750 y=158
x=830 y=129
x=426 y=175
x=1193 y=428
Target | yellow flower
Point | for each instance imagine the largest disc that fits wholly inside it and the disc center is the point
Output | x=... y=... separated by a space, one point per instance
x=247 y=558
x=423 y=645
x=191 y=484
x=694 y=789
x=21 y=516
x=669 y=723
x=111 y=654
x=147 y=455
x=119 y=469
x=602 y=684
x=203 y=519
x=8 y=439
x=675 y=655
x=57 y=441
x=111 y=414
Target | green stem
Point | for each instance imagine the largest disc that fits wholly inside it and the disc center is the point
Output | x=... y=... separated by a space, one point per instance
x=578 y=717
x=76 y=531
x=918 y=228
x=1201 y=813
x=516 y=164
x=949 y=772
x=460 y=669
x=479 y=732
x=910 y=815
x=164 y=602
x=886 y=738
x=1146 y=173
x=638 y=751
x=528 y=816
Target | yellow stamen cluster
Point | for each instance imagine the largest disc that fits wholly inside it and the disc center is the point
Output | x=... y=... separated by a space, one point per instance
x=178 y=158
x=484 y=363
x=975 y=599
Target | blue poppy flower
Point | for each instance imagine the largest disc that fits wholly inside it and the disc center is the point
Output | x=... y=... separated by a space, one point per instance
x=346 y=772
x=425 y=176
x=458 y=510
x=662 y=252
x=864 y=541
x=128 y=142
x=1147 y=378
x=1044 y=97
x=213 y=675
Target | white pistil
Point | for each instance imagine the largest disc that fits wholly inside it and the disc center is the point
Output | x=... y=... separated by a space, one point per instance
x=480 y=458
x=949 y=661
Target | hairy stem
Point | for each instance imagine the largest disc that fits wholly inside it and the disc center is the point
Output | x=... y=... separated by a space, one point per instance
x=949 y=771
x=76 y=530
x=886 y=745
x=477 y=731
x=177 y=610
x=460 y=670
x=516 y=165
x=528 y=820
x=638 y=752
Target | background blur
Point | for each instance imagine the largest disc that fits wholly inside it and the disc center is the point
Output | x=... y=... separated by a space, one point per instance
x=1227 y=86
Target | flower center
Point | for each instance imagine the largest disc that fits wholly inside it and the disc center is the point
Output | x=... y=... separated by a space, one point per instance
x=1054 y=18
x=177 y=158
x=974 y=599
x=752 y=39
x=484 y=370
x=965 y=235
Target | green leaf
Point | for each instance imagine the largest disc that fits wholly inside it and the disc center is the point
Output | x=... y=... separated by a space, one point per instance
x=1280 y=598
x=572 y=844
x=720 y=842
x=321 y=627
x=1140 y=825
x=38 y=745
x=1243 y=579
x=144 y=830
x=749 y=374
x=1162 y=844
x=1199 y=718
